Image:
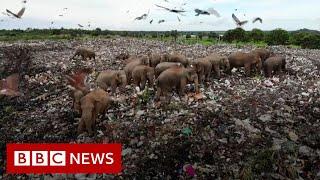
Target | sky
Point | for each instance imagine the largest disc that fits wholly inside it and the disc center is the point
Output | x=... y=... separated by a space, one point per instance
x=120 y=14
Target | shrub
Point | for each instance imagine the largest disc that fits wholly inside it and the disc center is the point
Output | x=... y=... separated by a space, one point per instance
x=188 y=36
x=213 y=35
x=256 y=35
x=311 y=41
x=236 y=35
x=277 y=37
x=306 y=40
x=297 y=38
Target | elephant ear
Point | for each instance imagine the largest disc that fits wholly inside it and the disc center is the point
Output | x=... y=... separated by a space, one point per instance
x=118 y=76
x=78 y=79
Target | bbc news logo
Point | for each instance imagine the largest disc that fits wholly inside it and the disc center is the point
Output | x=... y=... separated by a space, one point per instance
x=63 y=158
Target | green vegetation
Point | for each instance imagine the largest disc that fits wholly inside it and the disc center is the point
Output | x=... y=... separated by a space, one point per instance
x=302 y=38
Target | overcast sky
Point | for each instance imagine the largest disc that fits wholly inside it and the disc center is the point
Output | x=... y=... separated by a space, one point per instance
x=120 y=14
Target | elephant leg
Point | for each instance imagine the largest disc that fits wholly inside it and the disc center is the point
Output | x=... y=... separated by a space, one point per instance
x=143 y=83
x=113 y=86
x=247 y=69
x=217 y=71
x=81 y=126
x=259 y=67
x=158 y=94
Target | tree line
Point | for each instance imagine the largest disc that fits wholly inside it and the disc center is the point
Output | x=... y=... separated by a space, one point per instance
x=303 y=38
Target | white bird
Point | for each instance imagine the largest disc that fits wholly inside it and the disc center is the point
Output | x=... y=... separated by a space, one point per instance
x=17 y=15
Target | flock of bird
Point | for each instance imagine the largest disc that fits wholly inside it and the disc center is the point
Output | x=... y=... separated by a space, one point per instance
x=179 y=11
x=198 y=12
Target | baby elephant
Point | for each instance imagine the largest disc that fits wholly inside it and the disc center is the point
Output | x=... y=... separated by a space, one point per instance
x=113 y=79
x=175 y=58
x=164 y=66
x=93 y=104
x=203 y=68
x=141 y=74
x=175 y=78
x=218 y=62
x=273 y=65
x=155 y=59
x=144 y=60
x=84 y=53
x=249 y=61
x=264 y=54
x=76 y=97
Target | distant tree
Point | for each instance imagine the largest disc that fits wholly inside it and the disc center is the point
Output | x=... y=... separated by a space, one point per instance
x=256 y=35
x=277 y=37
x=236 y=35
x=200 y=35
x=188 y=36
x=309 y=41
x=167 y=34
x=56 y=32
x=174 y=34
x=213 y=35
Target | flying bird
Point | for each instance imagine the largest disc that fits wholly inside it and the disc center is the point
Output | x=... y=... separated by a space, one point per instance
x=172 y=10
x=80 y=25
x=19 y=14
x=60 y=15
x=238 y=22
x=142 y=17
x=151 y=21
x=24 y=1
x=179 y=19
x=207 y=12
x=161 y=21
x=10 y=86
x=257 y=19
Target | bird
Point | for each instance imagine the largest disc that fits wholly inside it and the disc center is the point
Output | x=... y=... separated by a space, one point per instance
x=207 y=12
x=60 y=15
x=257 y=19
x=179 y=19
x=24 y=1
x=151 y=21
x=52 y=22
x=65 y=9
x=10 y=86
x=19 y=14
x=238 y=22
x=161 y=21
x=80 y=25
x=142 y=17
x=172 y=10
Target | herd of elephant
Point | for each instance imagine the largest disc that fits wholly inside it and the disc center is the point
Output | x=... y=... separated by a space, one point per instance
x=170 y=72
